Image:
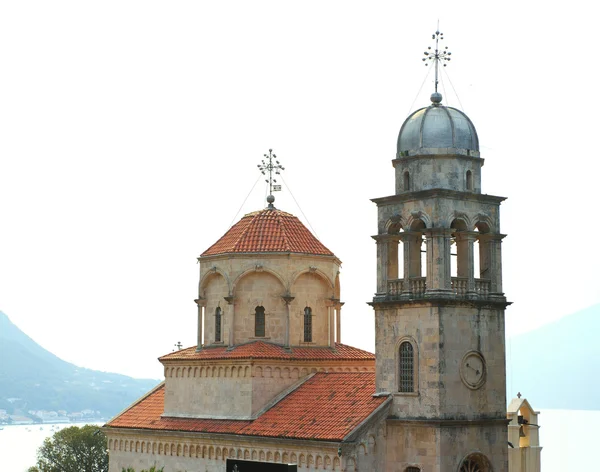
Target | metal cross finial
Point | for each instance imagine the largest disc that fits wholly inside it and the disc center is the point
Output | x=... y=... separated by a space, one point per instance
x=436 y=55
x=519 y=395
x=267 y=166
x=179 y=345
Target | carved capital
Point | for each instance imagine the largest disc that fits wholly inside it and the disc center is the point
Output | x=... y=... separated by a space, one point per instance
x=288 y=299
x=200 y=301
x=229 y=299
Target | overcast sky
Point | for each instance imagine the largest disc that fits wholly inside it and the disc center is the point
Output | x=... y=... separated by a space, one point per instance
x=130 y=132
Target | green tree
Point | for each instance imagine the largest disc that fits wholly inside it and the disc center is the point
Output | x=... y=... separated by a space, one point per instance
x=73 y=449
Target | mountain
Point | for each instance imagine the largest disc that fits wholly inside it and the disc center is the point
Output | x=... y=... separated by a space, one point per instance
x=556 y=365
x=42 y=381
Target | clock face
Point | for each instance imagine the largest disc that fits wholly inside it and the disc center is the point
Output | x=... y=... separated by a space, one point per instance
x=472 y=370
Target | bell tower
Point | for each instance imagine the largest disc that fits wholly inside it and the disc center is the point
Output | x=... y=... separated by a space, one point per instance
x=439 y=305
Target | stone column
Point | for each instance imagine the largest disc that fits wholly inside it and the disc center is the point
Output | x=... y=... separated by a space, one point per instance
x=331 y=304
x=438 y=261
x=491 y=259
x=201 y=303
x=287 y=299
x=465 y=245
x=387 y=260
x=338 y=327
x=410 y=241
x=231 y=304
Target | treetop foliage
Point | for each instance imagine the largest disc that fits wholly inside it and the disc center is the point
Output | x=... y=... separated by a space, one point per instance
x=73 y=449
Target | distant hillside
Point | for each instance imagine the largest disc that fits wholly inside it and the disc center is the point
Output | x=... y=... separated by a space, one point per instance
x=42 y=381
x=556 y=366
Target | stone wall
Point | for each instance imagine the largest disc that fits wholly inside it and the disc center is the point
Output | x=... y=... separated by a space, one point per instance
x=179 y=453
x=441 y=336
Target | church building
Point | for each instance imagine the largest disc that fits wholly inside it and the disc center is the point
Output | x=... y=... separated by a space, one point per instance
x=270 y=380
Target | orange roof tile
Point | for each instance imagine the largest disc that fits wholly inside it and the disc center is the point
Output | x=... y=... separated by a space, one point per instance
x=268 y=230
x=264 y=350
x=328 y=407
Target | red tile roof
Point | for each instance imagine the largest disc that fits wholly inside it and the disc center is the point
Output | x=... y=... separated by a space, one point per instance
x=328 y=407
x=263 y=350
x=268 y=231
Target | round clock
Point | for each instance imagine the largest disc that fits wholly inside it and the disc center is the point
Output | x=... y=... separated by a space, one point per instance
x=472 y=369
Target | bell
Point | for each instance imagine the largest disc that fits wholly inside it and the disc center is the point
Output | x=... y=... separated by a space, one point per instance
x=521 y=432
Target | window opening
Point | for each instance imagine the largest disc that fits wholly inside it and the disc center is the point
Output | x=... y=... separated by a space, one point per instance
x=406 y=373
x=412 y=469
x=406 y=181
x=308 y=325
x=469 y=180
x=259 y=322
x=218 y=317
x=475 y=463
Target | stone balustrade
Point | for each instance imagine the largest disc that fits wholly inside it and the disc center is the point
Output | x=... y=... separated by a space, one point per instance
x=418 y=287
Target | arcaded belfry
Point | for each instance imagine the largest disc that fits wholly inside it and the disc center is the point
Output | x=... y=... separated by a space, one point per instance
x=439 y=305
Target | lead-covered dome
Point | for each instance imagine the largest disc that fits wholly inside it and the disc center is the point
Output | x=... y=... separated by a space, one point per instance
x=436 y=127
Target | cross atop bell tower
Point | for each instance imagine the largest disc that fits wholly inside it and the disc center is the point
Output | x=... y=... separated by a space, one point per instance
x=439 y=305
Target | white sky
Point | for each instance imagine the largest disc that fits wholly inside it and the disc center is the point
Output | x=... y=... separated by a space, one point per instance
x=130 y=133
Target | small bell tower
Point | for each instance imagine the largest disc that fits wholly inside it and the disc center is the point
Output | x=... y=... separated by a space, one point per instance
x=439 y=305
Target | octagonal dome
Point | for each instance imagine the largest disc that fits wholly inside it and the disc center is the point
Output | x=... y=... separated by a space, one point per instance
x=437 y=127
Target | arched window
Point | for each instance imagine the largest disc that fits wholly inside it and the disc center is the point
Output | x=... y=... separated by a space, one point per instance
x=406 y=374
x=406 y=181
x=218 y=318
x=469 y=180
x=308 y=325
x=412 y=469
x=475 y=463
x=259 y=322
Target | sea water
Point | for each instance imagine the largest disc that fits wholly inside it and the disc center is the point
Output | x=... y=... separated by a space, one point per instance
x=568 y=439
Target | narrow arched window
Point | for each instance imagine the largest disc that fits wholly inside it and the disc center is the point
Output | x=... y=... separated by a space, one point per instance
x=308 y=325
x=406 y=368
x=406 y=181
x=259 y=322
x=218 y=318
x=469 y=180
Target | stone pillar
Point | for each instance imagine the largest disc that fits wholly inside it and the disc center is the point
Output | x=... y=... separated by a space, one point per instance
x=465 y=246
x=411 y=242
x=491 y=259
x=201 y=303
x=387 y=260
x=231 y=304
x=338 y=328
x=331 y=304
x=438 y=260
x=287 y=299
x=412 y=254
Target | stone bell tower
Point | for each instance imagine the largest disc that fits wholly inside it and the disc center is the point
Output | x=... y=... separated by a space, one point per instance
x=439 y=305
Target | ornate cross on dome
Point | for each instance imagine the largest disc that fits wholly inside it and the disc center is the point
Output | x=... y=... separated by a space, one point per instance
x=436 y=56
x=267 y=166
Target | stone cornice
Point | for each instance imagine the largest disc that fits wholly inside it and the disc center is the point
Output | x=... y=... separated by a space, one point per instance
x=441 y=422
x=438 y=193
x=270 y=255
x=324 y=363
x=239 y=440
x=386 y=302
